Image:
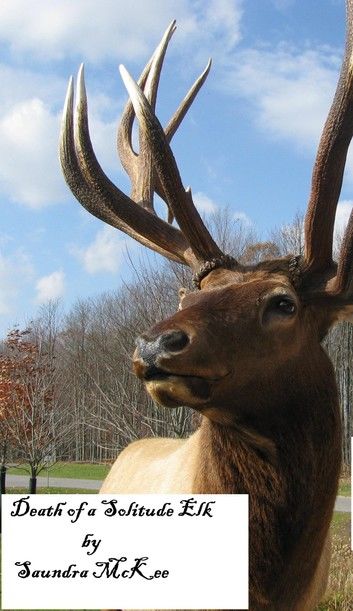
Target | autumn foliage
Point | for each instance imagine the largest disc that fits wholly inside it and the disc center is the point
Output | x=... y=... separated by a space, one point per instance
x=26 y=397
x=20 y=368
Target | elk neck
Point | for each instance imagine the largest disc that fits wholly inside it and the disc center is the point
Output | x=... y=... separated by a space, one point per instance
x=276 y=452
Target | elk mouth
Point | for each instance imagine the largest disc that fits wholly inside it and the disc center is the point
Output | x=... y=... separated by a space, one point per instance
x=154 y=373
x=174 y=390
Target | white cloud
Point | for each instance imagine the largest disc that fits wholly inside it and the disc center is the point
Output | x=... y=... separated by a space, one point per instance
x=204 y=203
x=212 y=27
x=104 y=253
x=29 y=169
x=50 y=287
x=30 y=173
x=344 y=209
x=20 y=84
x=290 y=90
x=29 y=127
x=112 y=28
x=15 y=271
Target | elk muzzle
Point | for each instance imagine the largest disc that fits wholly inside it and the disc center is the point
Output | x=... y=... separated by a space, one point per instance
x=149 y=351
x=159 y=360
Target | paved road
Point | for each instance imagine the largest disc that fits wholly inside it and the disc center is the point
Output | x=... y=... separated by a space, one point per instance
x=343 y=503
x=54 y=482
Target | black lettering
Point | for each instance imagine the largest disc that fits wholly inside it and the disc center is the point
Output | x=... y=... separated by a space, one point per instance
x=25 y=572
x=136 y=568
x=106 y=570
x=188 y=507
x=23 y=505
x=111 y=511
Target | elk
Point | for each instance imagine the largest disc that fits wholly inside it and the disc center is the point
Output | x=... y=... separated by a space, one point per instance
x=244 y=349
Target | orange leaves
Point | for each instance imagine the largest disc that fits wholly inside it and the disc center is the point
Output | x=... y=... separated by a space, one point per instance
x=22 y=365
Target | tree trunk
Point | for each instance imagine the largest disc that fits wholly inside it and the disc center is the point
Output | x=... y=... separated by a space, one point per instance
x=3 y=479
x=32 y=485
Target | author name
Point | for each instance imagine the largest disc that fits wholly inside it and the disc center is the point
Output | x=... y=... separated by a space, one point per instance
x=113 y=568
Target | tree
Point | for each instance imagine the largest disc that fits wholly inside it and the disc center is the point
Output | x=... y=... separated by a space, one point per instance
x=28 y=402
x=254 y=253
x=290 y=238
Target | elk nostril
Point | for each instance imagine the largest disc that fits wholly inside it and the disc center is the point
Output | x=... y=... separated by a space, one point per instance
x=146 y=350
x=174 y=341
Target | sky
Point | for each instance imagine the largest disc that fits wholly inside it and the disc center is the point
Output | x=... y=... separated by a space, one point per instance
x=248 y=142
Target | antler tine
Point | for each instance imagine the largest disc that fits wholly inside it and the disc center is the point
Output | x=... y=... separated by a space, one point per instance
x=178 y=199
x=100 y=196
x=124 y=137
x=152 y=82
x=140 y=167
x=186 y=103
x=343 y=282
x=329 y=165
x=180 y=113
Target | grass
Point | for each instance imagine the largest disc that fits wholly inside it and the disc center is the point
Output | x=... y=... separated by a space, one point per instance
x=71 y=470
x=16 y=490
x=340 y=589
x=344 y=488
x=77 y=470
x=341 y=524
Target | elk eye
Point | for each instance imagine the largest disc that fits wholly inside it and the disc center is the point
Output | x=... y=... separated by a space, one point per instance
x=285 y=305
x=279 y=306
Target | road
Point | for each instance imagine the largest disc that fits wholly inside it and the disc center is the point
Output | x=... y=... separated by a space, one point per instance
x=343 y=503
x=54 y=482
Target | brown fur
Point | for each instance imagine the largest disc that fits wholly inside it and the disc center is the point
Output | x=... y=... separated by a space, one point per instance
x=270 y=427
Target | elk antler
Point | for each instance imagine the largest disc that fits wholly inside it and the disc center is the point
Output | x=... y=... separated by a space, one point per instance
x=136 y=216
x=328 y=170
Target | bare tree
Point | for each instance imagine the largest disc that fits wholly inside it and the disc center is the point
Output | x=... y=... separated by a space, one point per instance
x=289 y=238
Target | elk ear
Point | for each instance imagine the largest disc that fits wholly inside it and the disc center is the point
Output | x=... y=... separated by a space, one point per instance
x=330 y=310
x=339 y=289
x=182 y=293
x=344 y=314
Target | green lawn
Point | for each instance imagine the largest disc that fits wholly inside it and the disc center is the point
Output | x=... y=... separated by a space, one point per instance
x=340 y=591
x=341 y=522
x=51 y=491
x=344 y=488
x=72 y=470
x=77 y=470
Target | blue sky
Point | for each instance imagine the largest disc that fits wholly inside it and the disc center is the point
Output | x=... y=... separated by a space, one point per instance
x=248 y=142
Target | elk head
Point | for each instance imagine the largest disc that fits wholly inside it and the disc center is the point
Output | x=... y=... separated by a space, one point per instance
x=245 y=325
